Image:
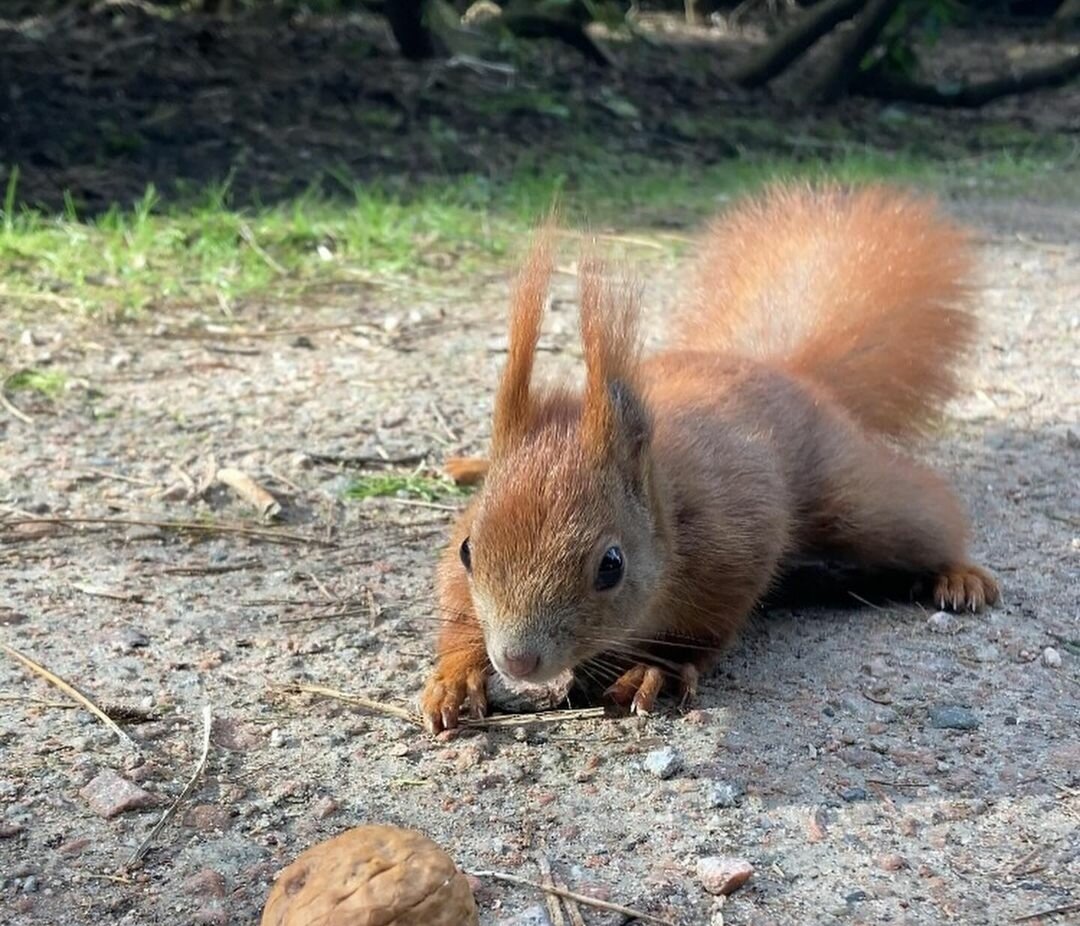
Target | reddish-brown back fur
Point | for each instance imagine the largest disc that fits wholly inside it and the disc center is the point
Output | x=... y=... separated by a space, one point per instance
x=865 y=293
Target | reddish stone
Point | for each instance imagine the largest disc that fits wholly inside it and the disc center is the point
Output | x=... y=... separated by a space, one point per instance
x=208 y=817
x=110 y=795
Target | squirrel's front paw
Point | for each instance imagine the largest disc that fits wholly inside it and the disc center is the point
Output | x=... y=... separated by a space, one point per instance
x=639 y=687
x=447 y=690
x=965 y=586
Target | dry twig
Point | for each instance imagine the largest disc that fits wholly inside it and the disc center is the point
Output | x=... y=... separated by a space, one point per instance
x=204 y=527
x=196 y=775
x=498 y=720
x=1053 y=911
x=378 y=707
x=579 y=898
x=136 y=597
x=576 y=919
x=249 y=238
x=73 y=693
x=10 y=406
x=250 y=491
x=365 y=460
x=552 y=900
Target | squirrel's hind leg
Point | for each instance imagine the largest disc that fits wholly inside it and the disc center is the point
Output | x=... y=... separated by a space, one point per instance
x=884 y=511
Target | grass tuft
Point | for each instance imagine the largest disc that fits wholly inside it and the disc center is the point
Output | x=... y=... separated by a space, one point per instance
x=49 y=384
x=400 y=485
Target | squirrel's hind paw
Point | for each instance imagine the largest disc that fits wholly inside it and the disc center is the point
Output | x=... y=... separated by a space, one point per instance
x=965 y=587
x=446 y=692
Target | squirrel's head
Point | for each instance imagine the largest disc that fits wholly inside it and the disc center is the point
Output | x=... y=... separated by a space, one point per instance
x=564 y=540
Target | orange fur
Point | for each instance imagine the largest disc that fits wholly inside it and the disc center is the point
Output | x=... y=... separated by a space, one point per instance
x=527 y=309
x=864 y=292
x=821 y=324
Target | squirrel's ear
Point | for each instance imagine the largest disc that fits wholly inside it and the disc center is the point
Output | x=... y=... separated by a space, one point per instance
x=615 y=424
x=512 y=404
x=633 y=430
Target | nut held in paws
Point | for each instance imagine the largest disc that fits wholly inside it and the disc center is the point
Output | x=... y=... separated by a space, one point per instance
x=372 y=876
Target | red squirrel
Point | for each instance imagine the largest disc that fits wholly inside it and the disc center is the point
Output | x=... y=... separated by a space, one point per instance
x=627 y=530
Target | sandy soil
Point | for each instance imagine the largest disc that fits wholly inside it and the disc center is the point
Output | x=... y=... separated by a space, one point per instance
x=848 y=800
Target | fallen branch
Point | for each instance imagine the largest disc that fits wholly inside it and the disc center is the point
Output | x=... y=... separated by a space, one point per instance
x=840 y=70
x=876 y=83
x=526 y=24
x=172 y=808
x=53 y=679
x=582 y=899
x=775 y=57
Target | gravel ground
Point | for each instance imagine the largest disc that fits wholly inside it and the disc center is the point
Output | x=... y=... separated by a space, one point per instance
x=874 y=765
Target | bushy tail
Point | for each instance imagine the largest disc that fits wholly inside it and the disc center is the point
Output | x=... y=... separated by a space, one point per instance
x=864 y=292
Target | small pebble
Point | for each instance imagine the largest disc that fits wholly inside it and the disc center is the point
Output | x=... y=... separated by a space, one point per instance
x=723 y=794
x=324 y=807
x=277 y=738
x=663 y=763
x=532 y=916
x=891 y=861
x=208 y=817
x=1051 y=658
x=108 y=795
x=854 y=794
x=719 y=875
x=943 y=622
x=206 y=883
x=953 y=717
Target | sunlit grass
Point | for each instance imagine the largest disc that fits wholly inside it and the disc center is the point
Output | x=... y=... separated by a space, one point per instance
x=209 y=253
x=48 y=383
x=399 y=485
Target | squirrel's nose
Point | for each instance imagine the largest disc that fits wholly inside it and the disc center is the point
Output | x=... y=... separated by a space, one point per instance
x=520 y=665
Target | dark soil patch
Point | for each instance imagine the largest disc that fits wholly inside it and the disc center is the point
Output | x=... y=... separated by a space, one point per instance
x=101 y=104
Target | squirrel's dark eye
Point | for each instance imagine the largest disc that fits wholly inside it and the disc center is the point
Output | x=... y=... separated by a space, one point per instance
x=611 y=569
x=466 y=555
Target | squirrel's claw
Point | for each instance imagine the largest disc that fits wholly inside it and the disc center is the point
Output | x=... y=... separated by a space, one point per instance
x=965 y=587
x=638 y=689
x=688 y=685
x=447 y=691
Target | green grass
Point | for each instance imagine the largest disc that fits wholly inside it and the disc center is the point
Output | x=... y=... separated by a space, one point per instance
x=49 y=384
x=208 y=253
x=398 y=485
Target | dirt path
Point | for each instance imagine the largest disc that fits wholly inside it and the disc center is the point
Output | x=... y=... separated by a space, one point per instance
x=850 y=803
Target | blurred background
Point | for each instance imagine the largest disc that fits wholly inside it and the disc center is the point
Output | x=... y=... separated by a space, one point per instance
x=145 y=145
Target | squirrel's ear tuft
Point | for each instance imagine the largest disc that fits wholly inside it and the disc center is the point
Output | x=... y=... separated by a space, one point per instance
x=615 y=424
x=512 y=403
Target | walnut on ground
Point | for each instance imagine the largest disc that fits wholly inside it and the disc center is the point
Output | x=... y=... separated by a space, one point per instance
x=372 y=876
